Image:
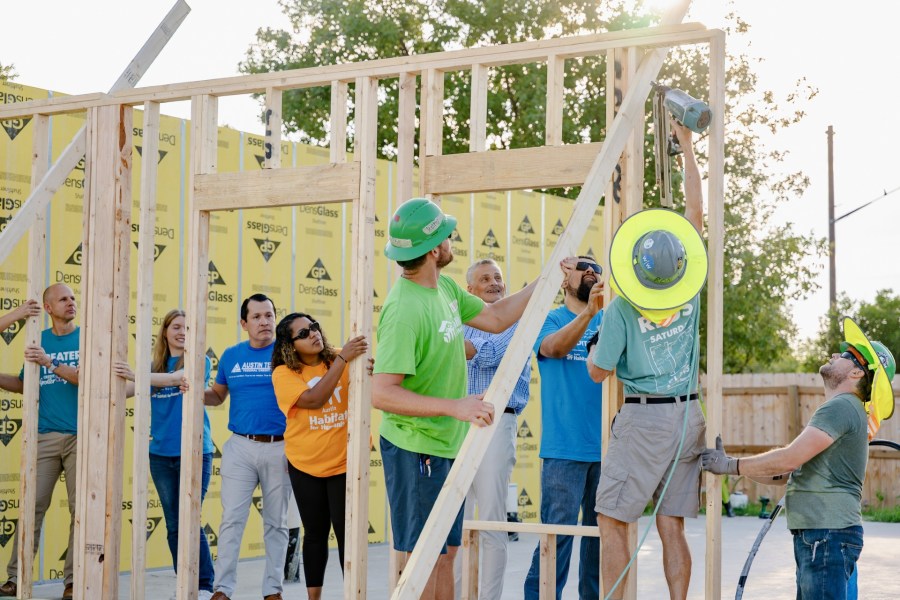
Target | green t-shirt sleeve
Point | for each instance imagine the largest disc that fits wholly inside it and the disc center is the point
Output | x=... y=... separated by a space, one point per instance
x=470 y=306
x=611 y=343
x=836 y=418
x=396 y=348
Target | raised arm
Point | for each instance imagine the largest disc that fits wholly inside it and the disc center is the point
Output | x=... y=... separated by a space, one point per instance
x=29 y=308
x=501 y=315
x=559 y=343
x=693 y=193
x=317 y=396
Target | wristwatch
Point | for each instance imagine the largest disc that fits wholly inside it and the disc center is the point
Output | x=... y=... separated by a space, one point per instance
x=53 y=366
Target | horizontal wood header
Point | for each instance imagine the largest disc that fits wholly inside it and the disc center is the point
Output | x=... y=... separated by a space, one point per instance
x=500 y=170
x=320 y=184
x=524 y=52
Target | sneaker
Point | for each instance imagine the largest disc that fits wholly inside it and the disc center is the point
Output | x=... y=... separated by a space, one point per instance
x=68 y=592
x=219 y=596
x=9 y=589
x=275 y=596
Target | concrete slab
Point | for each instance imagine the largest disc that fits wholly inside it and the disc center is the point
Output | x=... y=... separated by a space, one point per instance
x=772 y=576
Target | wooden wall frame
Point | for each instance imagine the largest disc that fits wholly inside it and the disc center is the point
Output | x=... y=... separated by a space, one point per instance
x=639 y=55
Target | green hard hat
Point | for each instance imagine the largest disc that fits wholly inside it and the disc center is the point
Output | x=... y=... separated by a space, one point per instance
x=416 y=228
x=883 y=356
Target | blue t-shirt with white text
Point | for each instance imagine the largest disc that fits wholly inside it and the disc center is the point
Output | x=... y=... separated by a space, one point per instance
x=58 y=411
x=247 y=372
x=571 y=403
x=165 y=417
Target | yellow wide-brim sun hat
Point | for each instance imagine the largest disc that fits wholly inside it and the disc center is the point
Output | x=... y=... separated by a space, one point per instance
x=657 y=301
x=881 y=406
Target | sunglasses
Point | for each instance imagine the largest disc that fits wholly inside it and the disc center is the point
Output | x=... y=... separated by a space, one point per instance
x=851 y=356
x=584 y=266
x=304 y=333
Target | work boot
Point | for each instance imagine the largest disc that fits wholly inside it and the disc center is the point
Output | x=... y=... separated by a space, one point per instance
x=275 y=596
x=219 y=596
x=68 y=593
x=9 y=589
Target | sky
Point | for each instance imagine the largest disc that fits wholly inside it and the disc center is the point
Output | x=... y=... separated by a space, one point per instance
x=842 y=49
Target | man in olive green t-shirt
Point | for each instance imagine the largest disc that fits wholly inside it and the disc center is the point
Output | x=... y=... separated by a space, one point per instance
x=824 y=469
x=420 y=375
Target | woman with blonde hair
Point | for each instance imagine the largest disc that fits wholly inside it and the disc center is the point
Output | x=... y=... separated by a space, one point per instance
x=167 y=381
x=311 y=385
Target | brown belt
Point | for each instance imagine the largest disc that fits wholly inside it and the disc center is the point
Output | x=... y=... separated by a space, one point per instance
x=256 y=437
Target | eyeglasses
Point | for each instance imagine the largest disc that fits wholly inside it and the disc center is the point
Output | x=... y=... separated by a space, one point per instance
x=584 y=266
x=304 y=333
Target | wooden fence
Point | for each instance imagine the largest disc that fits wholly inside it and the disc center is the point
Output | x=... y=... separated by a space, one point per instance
x=764 y=411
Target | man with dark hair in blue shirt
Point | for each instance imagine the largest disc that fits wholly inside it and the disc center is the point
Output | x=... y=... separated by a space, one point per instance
x=255 y=453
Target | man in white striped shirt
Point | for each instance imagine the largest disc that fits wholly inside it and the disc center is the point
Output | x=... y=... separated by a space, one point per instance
x=489 y=488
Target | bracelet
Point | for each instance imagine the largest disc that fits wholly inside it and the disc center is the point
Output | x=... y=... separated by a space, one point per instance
x=342 y=358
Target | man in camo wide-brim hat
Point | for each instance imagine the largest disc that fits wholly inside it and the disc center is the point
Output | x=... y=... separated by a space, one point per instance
x=650 y=338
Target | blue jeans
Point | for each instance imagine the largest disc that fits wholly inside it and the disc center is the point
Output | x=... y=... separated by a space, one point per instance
x=166 y=473
x=568 y=486
x=826 y=558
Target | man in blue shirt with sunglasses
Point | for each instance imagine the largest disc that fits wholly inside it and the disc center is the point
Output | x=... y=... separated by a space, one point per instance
x=571 y=405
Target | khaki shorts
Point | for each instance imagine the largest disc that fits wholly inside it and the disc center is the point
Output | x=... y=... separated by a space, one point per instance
x=642 y=446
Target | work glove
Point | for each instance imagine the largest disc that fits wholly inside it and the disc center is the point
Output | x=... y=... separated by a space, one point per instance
x=716 y=461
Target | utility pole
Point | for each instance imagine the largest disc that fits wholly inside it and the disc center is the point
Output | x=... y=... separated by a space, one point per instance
x=832 y=285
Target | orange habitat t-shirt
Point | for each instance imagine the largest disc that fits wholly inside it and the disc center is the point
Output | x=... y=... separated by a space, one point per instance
x=315 y=440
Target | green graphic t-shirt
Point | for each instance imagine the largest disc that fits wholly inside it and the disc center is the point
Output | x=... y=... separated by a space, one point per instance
x=662 y=360
x=825 y=493
x=420 y=335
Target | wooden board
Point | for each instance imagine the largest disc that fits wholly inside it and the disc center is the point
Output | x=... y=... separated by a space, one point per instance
x=37 y=258
x=143 y=353
x=318 y=184
x=361 y=282
x=101 y=425
x=406 y=135
x=204 y=150
x=501 y=170
x=714 y=333
x=524 y=52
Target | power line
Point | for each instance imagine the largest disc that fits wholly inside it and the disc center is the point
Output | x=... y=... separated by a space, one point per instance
x=872 y=201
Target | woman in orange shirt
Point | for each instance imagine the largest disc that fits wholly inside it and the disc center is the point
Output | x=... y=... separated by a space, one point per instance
x=311 y=385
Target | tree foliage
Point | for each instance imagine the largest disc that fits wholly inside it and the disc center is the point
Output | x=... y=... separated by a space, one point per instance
x=767 y=265
x=879 y=319
x=7 y=72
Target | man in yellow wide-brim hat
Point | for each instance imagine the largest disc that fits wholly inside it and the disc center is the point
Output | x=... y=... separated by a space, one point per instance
x=825 y=466
x=650 y=338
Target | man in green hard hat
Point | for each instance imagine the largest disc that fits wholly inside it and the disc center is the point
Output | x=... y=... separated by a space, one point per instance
x=420 y=375
x=824 y=467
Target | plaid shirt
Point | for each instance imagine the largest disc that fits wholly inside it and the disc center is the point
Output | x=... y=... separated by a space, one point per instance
x=489 y=350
